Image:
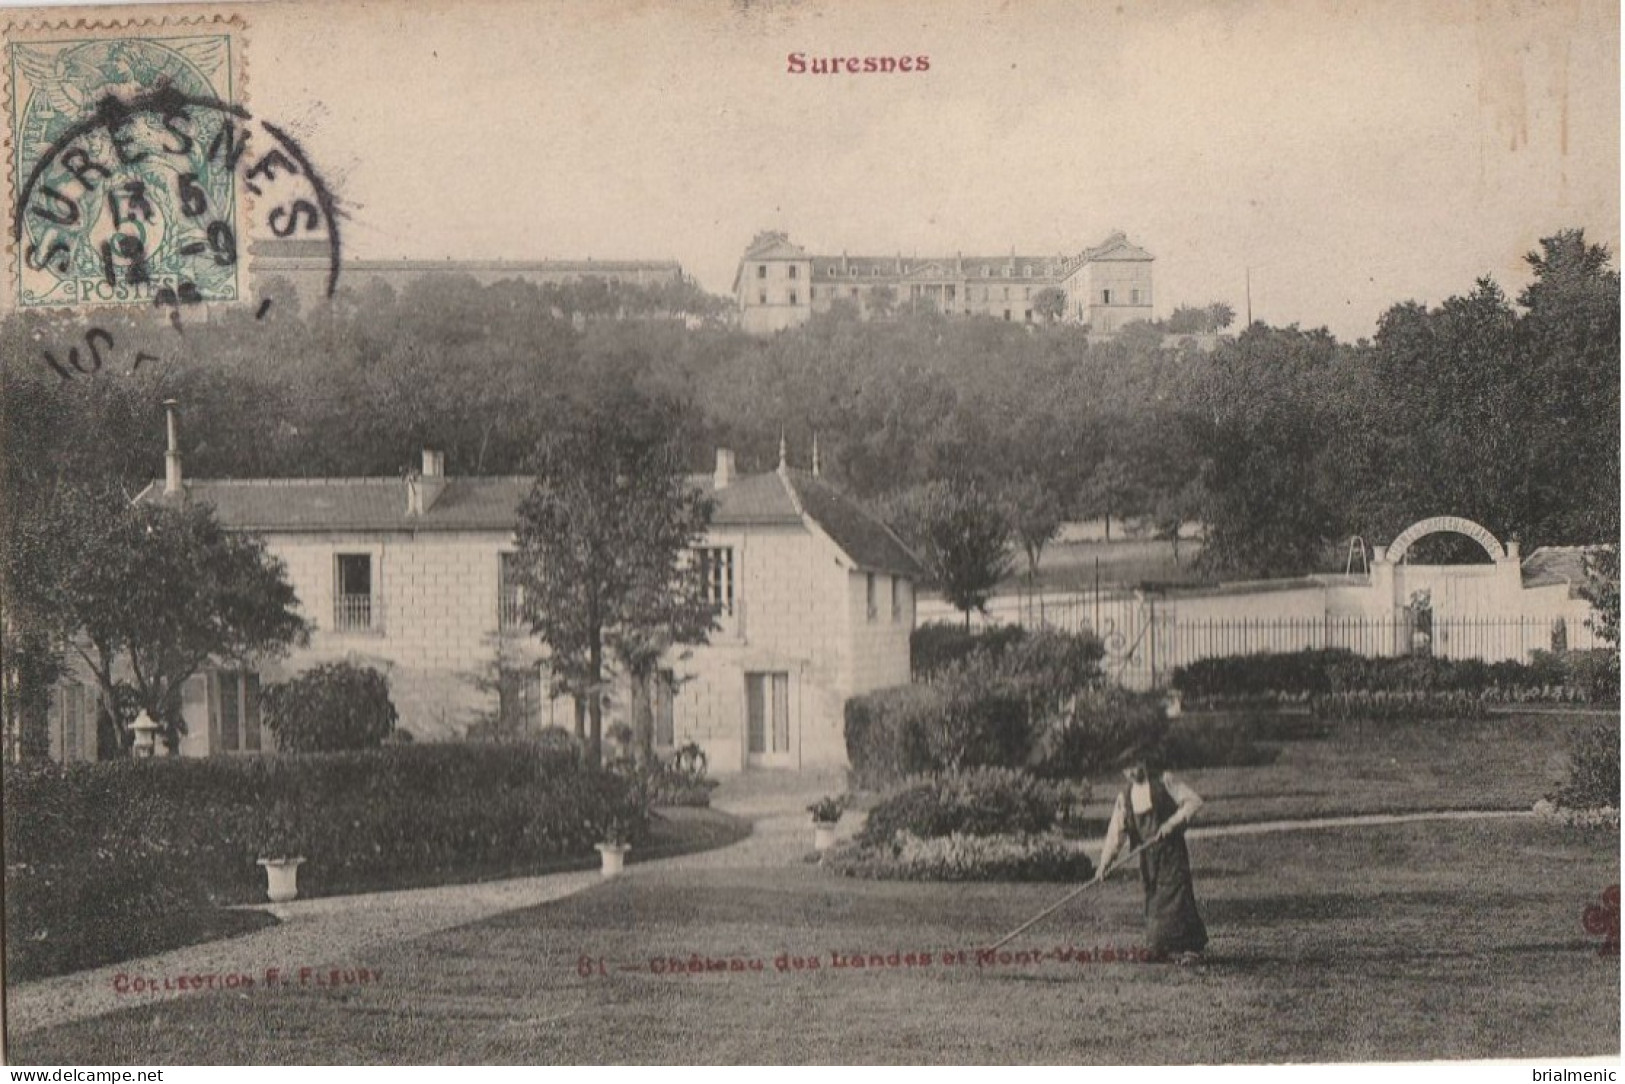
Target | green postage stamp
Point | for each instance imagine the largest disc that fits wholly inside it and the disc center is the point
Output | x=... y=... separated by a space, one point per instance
x=120 y=193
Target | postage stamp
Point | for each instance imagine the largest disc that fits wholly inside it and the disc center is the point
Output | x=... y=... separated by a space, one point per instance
x=119 y=198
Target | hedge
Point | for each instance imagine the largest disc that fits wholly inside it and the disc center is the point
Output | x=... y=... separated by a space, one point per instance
x=92 y=850
x=938 y=646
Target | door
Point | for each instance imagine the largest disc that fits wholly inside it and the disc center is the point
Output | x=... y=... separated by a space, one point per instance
x=767 y=721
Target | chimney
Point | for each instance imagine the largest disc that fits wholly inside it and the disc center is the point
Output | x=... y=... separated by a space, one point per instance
x=423 y=489
x=172 y=457
x=724 y=476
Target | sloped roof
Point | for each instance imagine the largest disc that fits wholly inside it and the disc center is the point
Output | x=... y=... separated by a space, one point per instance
x=311 y=505
x=869 y=543
x=354 y=504
x=1116 y=247
x=1551 y=566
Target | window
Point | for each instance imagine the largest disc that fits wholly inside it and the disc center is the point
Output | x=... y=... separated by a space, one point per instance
x=1106 y=297
x=234 y=711
x=662 y=688
x=854 y=291
x=761 y=296
x=897 y=598
x=1134 y=296
x=717 y=577
x=519 y=701
x=1027 y=271
x=1007 y=314
x=793 y=270
x=767 y=713
x=510 y=593
x=987 y=272
x=1026 y=292
x=1009 y=272
x=761 y=270
x=1007 y=293
x=352 y=602
x=74 y=722
x=950 y=289
x=792 y=297
x=1028 y=316
x=869 y=596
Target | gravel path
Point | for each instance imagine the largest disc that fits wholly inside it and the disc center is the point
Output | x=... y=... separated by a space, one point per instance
x=335 y=932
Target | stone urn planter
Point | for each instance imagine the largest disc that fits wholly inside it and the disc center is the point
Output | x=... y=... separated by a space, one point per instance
x=614 y=856
x=825 y=813
x=823 y=835
x=281 y=878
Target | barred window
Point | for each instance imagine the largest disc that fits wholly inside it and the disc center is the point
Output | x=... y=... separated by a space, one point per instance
x=717 y=576
x=510 y=594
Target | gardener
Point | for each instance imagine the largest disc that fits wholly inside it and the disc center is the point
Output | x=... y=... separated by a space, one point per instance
x=1153 y=810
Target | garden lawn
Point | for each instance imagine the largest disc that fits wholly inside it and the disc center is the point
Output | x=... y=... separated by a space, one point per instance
x=1418 y=941
x=1507 y=761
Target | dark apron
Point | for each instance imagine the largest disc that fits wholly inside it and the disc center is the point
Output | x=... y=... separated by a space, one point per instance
x=1172 y=923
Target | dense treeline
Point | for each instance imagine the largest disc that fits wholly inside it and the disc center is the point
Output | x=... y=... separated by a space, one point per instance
x=1285 y=442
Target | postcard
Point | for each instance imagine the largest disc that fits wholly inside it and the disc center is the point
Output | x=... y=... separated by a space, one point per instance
x=789 y=532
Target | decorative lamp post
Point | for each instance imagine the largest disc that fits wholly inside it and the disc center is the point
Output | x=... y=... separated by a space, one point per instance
x=146 y=737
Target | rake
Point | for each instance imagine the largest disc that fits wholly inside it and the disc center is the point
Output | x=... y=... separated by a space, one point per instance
x=1066 y=899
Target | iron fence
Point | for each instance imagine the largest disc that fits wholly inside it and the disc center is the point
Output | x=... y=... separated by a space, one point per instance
x=1147 y=639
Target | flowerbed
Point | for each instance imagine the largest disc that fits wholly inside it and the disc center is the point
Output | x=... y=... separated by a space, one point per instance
x=978 y=802
x=962 y=857
x=1344 y=684
x=95 y=850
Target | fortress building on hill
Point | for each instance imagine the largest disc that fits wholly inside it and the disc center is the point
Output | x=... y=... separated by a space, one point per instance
x=779 y=284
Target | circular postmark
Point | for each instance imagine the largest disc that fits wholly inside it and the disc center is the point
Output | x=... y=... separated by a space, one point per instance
x=141 y=202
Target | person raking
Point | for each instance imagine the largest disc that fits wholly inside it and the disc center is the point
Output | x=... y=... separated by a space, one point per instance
x=1153 y=810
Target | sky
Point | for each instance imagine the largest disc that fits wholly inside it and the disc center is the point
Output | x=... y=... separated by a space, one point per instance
x=1343 y=156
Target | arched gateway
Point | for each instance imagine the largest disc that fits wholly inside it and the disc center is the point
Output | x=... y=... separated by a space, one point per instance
x=1441 y=525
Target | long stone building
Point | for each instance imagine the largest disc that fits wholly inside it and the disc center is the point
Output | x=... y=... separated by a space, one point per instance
x=306 y=264
x=780 y=284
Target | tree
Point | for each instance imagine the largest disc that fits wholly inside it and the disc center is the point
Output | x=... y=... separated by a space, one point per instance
x=1035 y=518
x=961 y=534
x=148 y=594
x=1108 y=491
x=1601 y=589
x=1219 y=316
x=604 y=543
x=1050 y=304
x=1173 y=510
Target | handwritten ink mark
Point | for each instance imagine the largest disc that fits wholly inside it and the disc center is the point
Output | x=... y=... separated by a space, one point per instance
x=265 y=306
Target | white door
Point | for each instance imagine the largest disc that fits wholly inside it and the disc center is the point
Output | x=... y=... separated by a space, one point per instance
x=767 y=720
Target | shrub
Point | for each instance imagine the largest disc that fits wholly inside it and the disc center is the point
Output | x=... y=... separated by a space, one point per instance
x=149 y=839
x=1098 y=731
x=682 y=782
x=965 y=858
x=978 y=802
x=886 y=733
x=1593 y=772
x=330 y=708
x=938 y=646
x=989 y=710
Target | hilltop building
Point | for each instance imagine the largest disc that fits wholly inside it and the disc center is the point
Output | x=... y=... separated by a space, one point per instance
x=779 y=284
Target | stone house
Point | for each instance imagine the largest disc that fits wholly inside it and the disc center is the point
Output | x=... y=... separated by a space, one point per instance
x=410 y=575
